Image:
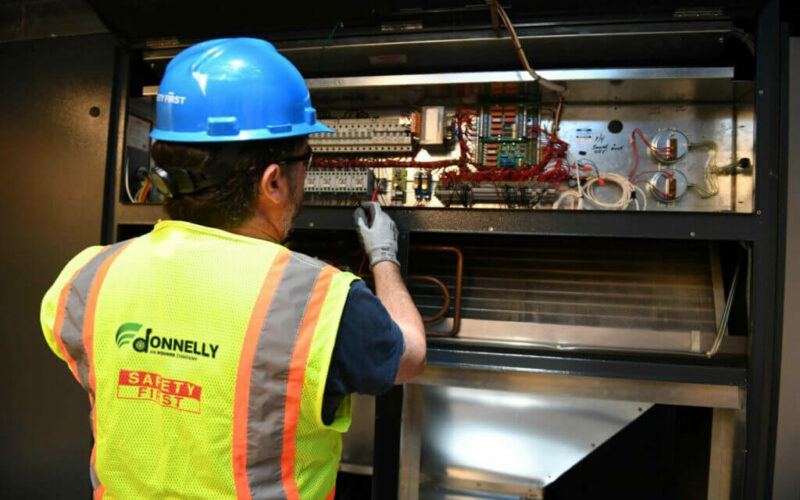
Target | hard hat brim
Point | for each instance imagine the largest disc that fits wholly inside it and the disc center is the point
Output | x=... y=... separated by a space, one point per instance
x=244 y=135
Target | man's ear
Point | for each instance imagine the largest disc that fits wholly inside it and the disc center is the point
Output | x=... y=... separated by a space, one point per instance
x=271 y=185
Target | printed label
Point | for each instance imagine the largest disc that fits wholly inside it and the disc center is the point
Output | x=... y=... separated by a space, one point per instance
x=129 y=333
x=170 y=98
x=169 y=393
x=583 y=134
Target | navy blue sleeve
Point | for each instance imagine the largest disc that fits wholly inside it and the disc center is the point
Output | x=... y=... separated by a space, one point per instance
x=367 y=352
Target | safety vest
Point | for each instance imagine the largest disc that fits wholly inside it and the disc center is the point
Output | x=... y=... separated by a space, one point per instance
x=205 y=355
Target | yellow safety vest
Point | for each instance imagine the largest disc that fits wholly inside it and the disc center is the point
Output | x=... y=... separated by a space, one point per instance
x=205 y=355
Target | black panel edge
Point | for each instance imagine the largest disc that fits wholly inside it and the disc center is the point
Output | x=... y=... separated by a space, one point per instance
x=764 y=366
x=658 y=225
x=681 y=371
x=116 y=141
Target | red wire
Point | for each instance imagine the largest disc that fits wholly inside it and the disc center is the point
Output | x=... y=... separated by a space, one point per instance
x=665 y=150
x=552 y=168
x=635 y=155
x=637 y=179
x=361 y=267
x=145 y=191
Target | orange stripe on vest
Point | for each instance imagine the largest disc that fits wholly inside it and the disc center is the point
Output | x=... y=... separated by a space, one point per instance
x=91 y=308
x=59 y=324
x=241 y=398
x=88 y=345
x=297 y=371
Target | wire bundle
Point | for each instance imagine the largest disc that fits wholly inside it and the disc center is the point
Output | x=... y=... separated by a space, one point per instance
x=552 y=168
x=626 y=197
x=521 y=53
x=711 y=187
x=659 y=152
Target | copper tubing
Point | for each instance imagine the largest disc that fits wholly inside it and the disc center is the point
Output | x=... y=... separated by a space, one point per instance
x=445 y=297
x=459 y=278
x=430 y=279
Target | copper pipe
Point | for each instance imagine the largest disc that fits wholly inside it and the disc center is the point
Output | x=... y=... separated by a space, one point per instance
x=445 y=297
x=430 y=279
x=459 y=278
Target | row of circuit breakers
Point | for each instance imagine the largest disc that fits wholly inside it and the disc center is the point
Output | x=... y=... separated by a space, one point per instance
x=500 y=155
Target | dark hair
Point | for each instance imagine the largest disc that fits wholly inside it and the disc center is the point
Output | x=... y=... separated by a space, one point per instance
x=230 y=204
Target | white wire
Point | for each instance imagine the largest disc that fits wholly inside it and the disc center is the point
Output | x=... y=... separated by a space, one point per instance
x=709 y=171
x=643 y=198
x=626 y=196
x=572 y=193
x=127 y=182
x=577 y=175
x=709 y=174
x=568 y=194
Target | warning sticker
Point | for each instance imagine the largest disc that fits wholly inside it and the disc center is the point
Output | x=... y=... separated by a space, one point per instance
x=167 y=392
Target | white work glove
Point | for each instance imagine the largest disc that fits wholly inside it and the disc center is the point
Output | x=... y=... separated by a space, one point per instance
x=379 y=238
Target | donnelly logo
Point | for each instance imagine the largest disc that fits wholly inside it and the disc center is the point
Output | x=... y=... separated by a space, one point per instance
x=129 y=333
x=126 y=333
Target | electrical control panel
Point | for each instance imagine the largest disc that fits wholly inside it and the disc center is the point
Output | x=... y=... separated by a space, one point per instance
x=502 y=145
x=465 y=141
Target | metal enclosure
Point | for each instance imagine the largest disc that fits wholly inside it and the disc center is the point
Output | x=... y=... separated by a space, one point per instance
x=54 y=132
x=717 y=254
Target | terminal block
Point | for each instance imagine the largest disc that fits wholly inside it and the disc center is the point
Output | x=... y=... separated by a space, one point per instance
x=365 y=135
x=506 y=194
x=350 y=180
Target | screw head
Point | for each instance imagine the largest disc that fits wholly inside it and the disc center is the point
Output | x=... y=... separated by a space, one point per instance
x=758 y=212
x=311 y=223
x=491 y=229
x=94 y=111
x=692 y=234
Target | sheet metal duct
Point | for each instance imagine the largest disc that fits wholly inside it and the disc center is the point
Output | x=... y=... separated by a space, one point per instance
x=479 y=441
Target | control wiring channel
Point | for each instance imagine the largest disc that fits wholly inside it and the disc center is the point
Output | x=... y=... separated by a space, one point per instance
x=711 y=187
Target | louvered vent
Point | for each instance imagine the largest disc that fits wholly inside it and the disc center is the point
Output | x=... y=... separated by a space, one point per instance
x=595 y=292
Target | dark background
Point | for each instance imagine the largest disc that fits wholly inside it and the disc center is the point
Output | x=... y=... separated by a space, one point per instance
x=53 y=154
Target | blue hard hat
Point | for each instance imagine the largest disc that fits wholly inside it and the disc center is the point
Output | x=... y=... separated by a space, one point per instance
x=233 y=89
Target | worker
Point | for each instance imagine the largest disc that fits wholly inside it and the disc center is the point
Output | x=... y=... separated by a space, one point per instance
x=218 y=363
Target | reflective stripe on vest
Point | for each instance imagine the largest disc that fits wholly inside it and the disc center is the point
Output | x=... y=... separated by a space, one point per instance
x=271 y=376
x=74 y=330
x=292 y=325
x=70 y=327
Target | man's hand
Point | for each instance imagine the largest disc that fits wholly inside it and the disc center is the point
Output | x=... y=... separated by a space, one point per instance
x=377 y=232
x=379 y=239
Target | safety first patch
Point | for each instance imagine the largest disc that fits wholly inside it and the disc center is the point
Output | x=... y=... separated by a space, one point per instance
x=169 y=393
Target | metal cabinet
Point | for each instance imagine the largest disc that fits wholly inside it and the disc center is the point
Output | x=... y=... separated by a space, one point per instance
x=699 y=69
